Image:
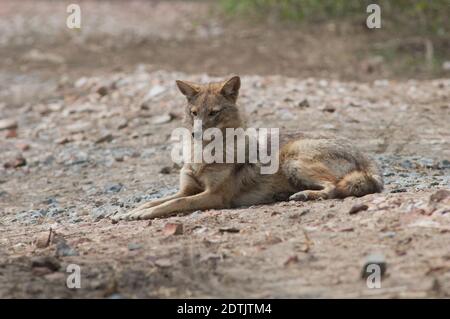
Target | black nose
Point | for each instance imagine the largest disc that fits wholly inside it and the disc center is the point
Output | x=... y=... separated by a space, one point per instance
x=192 y=134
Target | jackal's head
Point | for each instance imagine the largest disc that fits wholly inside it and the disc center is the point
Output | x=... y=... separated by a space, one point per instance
x=213 y=103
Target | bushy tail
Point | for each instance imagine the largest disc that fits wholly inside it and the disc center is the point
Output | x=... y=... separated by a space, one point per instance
x=359 y=183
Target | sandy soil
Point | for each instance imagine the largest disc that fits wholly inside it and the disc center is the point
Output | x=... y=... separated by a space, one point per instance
x=82 y=139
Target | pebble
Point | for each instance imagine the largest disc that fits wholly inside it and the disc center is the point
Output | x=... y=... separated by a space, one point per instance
x=102 y=90
x=229 y=230
x=388 y=234
x=11 y=134
x=303 y=103
x=173 y=229
x=8 y=124
x=103 y=212
x=45 y=262
x=154 y=92
x=162 y=119
x=36 y=214
x=113 y=188
x=163 y=262
x=134 y=246
x=291 y=260
x=23 y=146
x=42 y=241
x=64 y=250
x=358 y=208
x=165 y=170
x=78 y=127
x=329 y=109
x=108 y=137
x=16 y=162
x=440 y=196
x=123 y=123
x=399 y=190
x=63 y=140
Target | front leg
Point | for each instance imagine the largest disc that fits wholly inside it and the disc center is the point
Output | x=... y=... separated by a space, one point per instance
x=153 y=203
x=202 y=201
x=188 y=186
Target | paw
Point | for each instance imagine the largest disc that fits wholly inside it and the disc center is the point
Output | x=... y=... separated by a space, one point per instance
x=125 y=215
x=300 y=196
x=142 y=214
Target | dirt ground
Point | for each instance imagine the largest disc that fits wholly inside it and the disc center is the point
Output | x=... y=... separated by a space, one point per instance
x=85 y=124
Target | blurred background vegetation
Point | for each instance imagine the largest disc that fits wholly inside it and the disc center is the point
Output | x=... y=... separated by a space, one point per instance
x=425 y=16
x=419 y=28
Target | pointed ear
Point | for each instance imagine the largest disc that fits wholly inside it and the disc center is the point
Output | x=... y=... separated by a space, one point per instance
x=188 y=89
x=231 y=88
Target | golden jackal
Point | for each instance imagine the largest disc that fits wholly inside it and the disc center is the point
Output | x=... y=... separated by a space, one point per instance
x=310 y=167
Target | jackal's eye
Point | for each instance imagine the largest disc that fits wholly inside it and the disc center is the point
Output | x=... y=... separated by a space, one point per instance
x=194 y=113
x=213 y=112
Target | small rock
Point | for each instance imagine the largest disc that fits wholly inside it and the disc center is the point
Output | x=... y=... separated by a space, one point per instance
x=388 y=234
x=37 y=214
x=50 y=201
x=445 y=164
x=43 y=240
x=154 y=92
x=54 y=211
x=162 y=119
x=358 y=208
x=108 y=137
x=286 y=115
x=64 y=250
x=173 y=229
x=165 y=170
x=134 y=246
x=374 y=259
x=114 y=188
x=45 y=262
x=303 y=103
x=63 y=140
x=329 y=109
x=123 y=123
x=398 y=190
x=199 y=230
x=23 y=146
x=11 y=134
x=78 y=127
x=144 y=106
x=17 y=162
x=118 y=158
x=229 y=230
x=211 y=257
x=38 y=56
x=103 y=212
x=8 y=124
x=163 y=262
x=291 y=260
x=304 y=212
x=440 y=195
x=102 y=90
